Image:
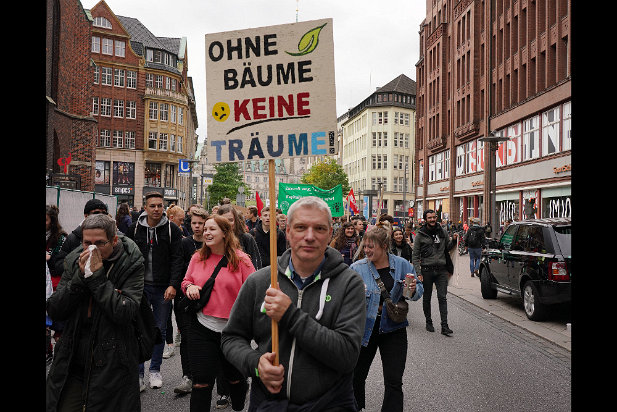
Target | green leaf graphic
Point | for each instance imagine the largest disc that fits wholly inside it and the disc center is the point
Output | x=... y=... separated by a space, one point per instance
x=308 y=42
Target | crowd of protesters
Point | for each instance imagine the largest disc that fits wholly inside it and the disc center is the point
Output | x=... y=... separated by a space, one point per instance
x=99 y=274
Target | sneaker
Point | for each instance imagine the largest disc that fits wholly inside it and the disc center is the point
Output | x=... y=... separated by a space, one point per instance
x=445 y=330
x=142 y=385
x=185 y=387
x=223 y=402
x=156 y=380
x=169 y=351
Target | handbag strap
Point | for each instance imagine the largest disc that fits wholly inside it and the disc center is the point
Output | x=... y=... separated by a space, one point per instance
x=384 y=291
x=222 y=262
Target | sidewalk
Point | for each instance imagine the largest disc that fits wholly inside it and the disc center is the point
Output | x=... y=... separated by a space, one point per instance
x=505 y=306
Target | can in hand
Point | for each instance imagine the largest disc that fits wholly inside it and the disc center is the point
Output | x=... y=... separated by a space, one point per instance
x=409 y=281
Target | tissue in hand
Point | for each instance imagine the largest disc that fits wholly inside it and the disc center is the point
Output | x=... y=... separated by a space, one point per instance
x=87 y=270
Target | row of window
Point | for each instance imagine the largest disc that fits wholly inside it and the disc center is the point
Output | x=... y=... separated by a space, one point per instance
x=382 y=118
x=153 y=173
x=118 y=139
x=528 y=140
x=107 y=76
x=160 y=56
x=165 y=142
x=166 y=112
x=380 y=139
x=108 y=46
x=159 y=81
x=105 y=106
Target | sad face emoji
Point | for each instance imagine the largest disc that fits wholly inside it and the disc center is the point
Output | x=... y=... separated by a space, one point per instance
x=220 y=111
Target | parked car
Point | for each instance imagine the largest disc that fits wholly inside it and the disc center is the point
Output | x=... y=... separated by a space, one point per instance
x=531 y=259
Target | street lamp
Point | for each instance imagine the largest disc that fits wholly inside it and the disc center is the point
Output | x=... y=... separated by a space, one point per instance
x=490 y=175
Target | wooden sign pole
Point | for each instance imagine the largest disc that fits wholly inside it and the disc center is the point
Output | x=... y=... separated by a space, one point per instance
x=273 y=255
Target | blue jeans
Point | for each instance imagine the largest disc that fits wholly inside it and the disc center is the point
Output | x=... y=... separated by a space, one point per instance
x=161 y=309
x=474 y=258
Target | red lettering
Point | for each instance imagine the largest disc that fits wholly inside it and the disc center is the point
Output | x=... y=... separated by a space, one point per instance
x=241 y=109
x=287 y=105
x=302 y=102
x=257 y=107
x=272 y=106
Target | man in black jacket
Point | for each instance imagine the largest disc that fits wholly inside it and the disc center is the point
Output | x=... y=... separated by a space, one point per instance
x=429 y=259
x=261 y=233
x=98 y=297
x=253 y=219
x=474 y=241
x=160 y=245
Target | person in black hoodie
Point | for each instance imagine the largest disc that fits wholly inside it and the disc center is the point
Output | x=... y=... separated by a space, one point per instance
x=160 y=245
x=261 y=233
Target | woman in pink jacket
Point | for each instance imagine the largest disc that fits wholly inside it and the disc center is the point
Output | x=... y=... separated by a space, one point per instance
x=205 y=334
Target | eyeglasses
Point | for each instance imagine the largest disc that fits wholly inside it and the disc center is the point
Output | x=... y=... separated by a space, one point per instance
x=98 y=243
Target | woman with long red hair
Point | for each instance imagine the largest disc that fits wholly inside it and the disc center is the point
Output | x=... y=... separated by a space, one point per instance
x=205 y=353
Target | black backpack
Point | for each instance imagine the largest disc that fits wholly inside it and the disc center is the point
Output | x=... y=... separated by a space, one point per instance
x=474 y=237
x=146 y=331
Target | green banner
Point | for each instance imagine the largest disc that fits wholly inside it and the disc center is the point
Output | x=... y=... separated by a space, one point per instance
x=289 y=193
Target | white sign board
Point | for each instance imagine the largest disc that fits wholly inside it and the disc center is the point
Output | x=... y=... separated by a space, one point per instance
x=271 y=92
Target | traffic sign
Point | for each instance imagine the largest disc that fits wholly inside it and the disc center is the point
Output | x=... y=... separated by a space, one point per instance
x=184 y=167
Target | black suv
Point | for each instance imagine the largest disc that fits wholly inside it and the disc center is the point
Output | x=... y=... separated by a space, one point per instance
x=532 y=259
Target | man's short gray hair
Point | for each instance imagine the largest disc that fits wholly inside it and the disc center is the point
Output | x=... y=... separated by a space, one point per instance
x=310 y=202
x=100 y=221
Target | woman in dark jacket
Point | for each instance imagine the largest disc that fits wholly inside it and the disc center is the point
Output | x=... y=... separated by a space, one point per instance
x=123 y=218
x=247 y=242
x=96 y=362
x=400 y=247
x=346 y=242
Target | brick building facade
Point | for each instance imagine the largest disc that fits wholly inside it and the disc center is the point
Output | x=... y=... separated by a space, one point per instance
x=498 y=68
x=144 y=103
x=69 y=126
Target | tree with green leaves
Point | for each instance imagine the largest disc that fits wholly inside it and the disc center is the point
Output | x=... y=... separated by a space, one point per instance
x=225 y=182
x=326 y=174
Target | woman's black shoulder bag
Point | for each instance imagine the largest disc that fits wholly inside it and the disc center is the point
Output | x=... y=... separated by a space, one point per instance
x=187 y=305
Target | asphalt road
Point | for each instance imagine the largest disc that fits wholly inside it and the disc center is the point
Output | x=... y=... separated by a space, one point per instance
x=496 y=359
x=488 y=364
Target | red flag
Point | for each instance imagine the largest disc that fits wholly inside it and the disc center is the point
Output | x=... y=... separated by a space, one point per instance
x=351 y=199
x=260 y=204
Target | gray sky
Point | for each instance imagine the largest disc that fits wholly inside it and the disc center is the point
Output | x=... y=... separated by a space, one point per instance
x=374 y=41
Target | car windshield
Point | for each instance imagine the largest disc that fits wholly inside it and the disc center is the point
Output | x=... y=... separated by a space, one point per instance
x=564 y=239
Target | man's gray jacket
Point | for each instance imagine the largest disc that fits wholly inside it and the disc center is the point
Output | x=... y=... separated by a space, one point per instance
x=319 y=334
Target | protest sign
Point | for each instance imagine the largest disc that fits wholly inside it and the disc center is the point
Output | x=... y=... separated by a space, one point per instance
x=271 y=93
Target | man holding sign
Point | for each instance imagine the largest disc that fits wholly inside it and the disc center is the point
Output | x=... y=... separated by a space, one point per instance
x=319 y=307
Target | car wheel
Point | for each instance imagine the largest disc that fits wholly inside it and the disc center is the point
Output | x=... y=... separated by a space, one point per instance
x=488 y=291
x=533 y=308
